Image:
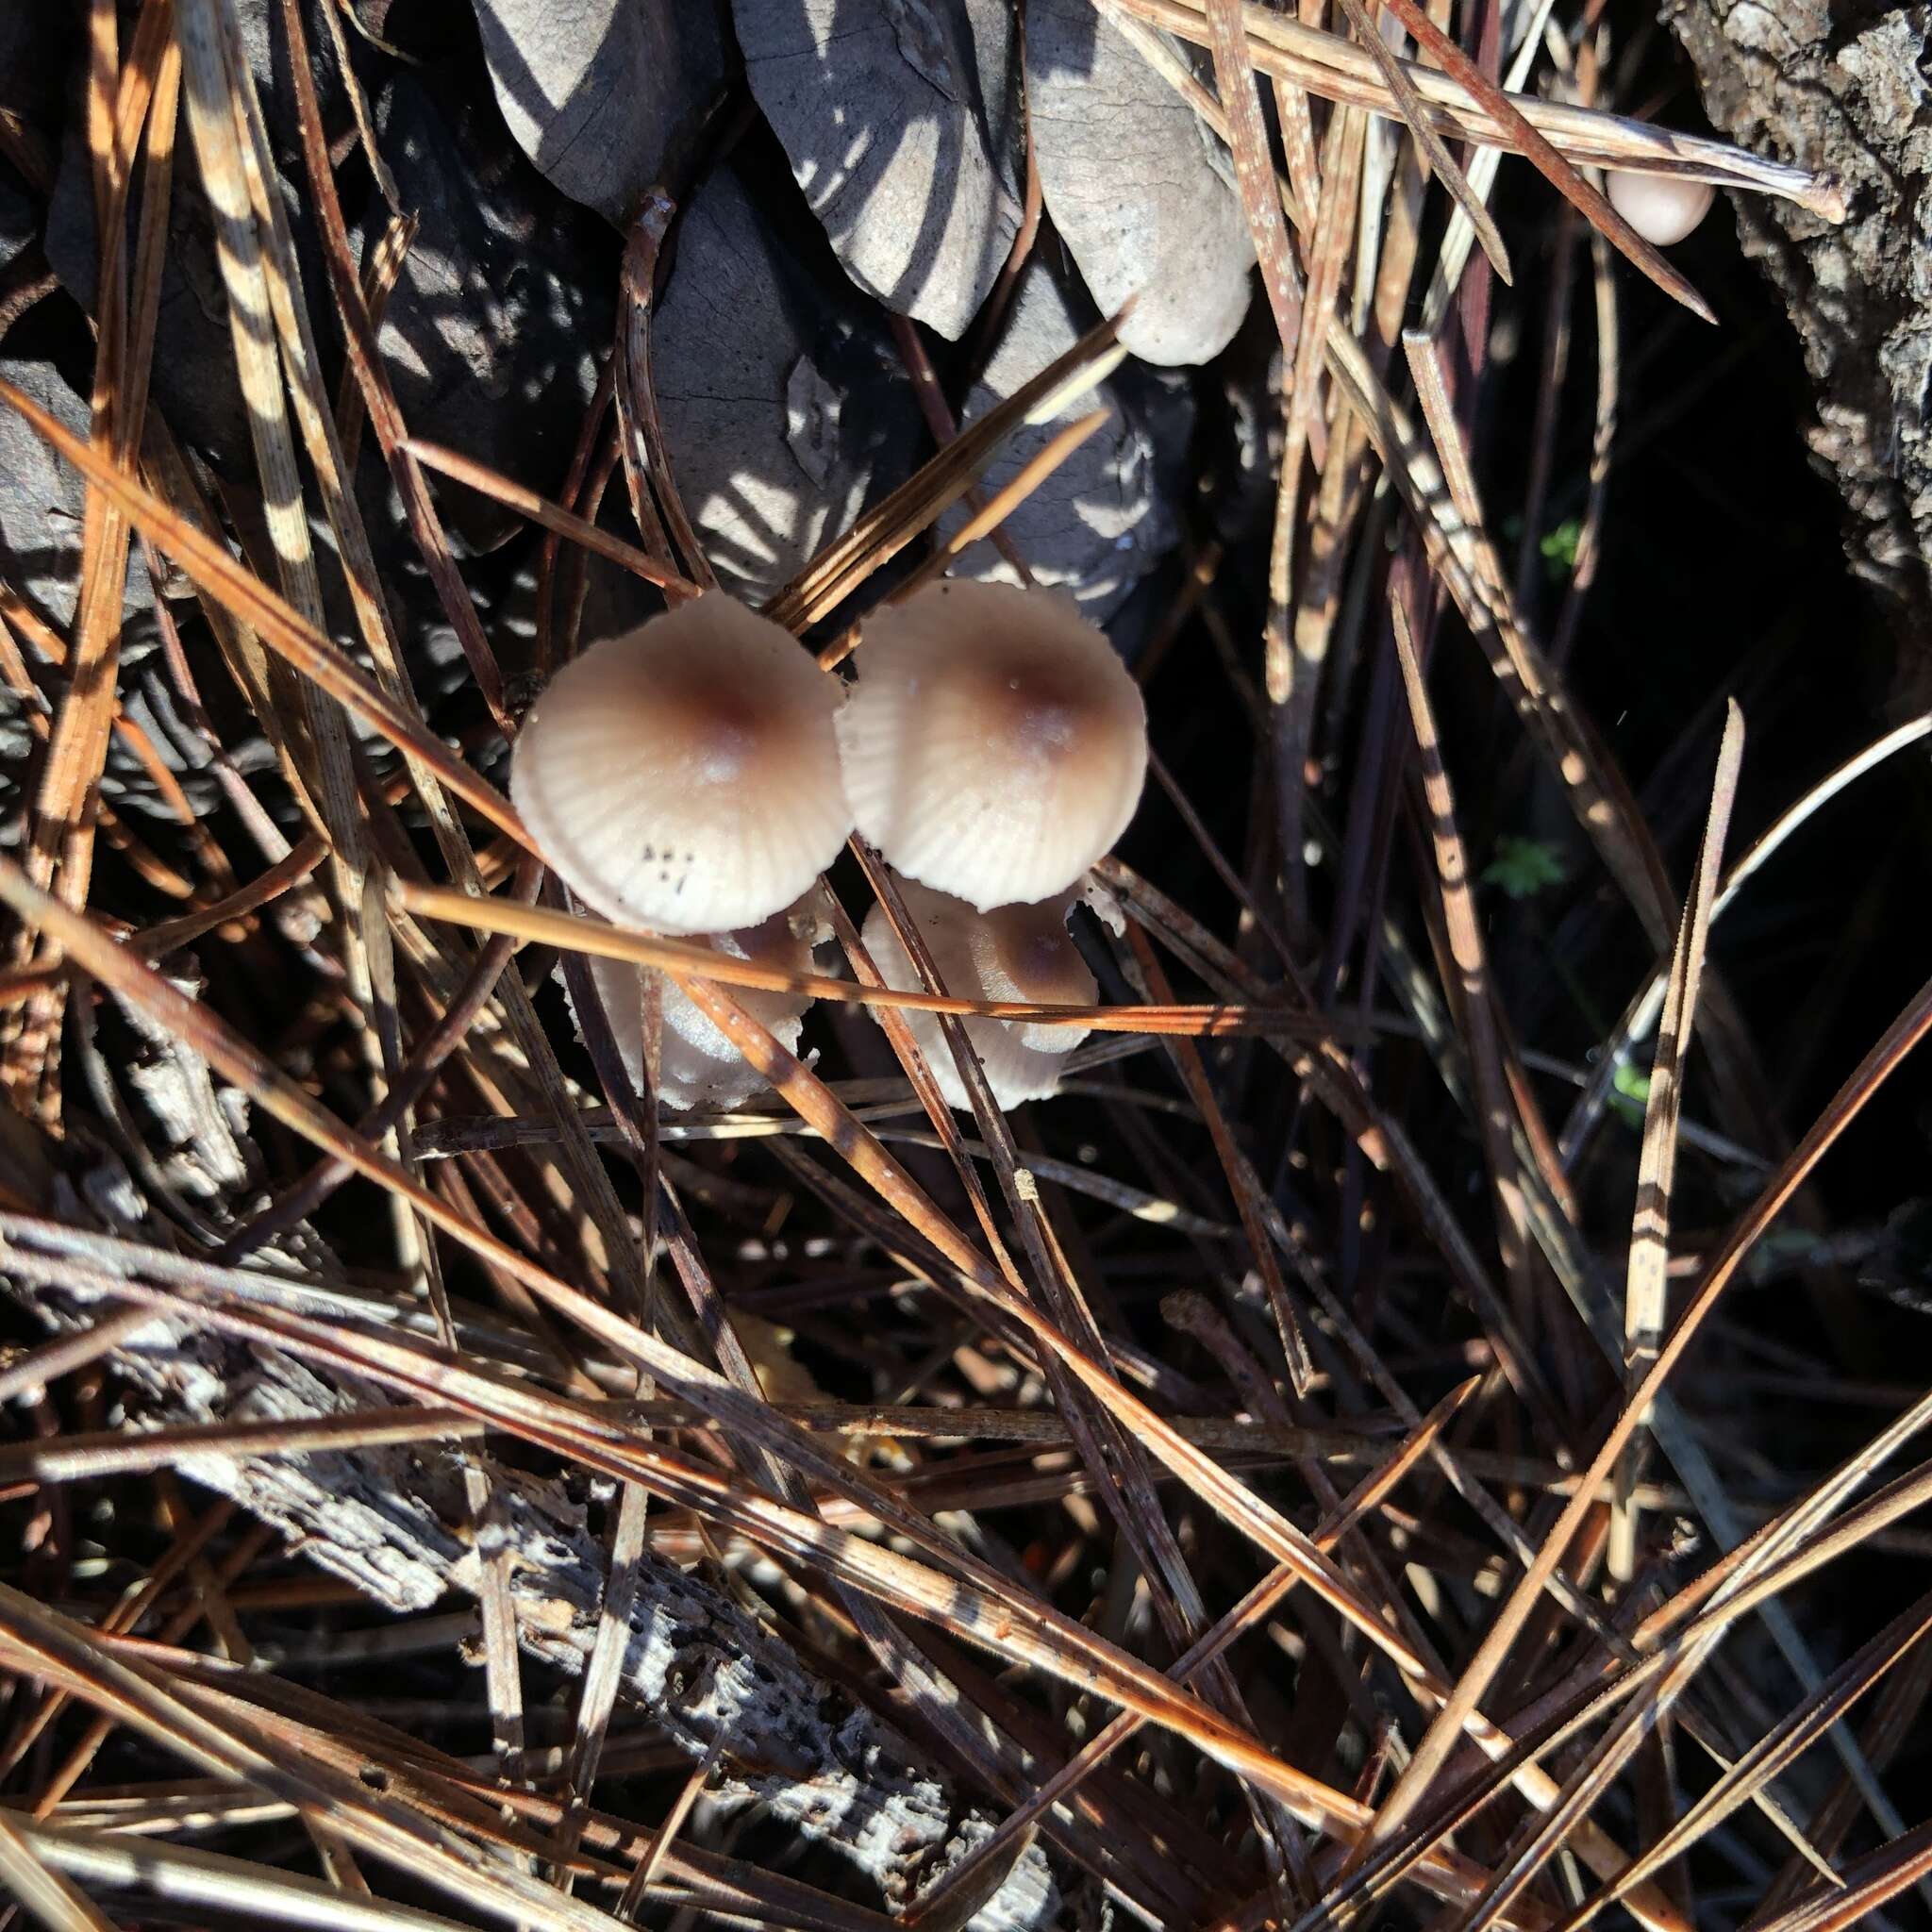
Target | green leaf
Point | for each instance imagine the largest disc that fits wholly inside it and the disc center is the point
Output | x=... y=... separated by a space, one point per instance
x=1632 y=1082
x=1523 y=866
x=1558 y=547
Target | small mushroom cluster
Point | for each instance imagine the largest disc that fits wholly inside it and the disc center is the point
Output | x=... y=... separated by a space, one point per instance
x=697 y=774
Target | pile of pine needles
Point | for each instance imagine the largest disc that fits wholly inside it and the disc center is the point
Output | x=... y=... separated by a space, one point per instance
x=1294 y=1475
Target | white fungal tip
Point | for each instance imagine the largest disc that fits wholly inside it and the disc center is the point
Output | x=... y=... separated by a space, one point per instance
x=698 y=1063
x=1662 y=208
x=1013 y=953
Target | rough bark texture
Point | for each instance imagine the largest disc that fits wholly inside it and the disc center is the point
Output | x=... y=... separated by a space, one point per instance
x=1842 y=85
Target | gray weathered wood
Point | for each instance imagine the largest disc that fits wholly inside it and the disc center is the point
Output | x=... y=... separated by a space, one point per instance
x=392 y=1520
x=902 y=121
x=1134 y=186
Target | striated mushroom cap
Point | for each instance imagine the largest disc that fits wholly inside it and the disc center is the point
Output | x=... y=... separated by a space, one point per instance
x=685 y=776
x=994 y=745
x=1013 y=953
x=698 y=1064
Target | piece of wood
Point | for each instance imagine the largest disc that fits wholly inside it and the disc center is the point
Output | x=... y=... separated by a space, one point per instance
x=1788 y=83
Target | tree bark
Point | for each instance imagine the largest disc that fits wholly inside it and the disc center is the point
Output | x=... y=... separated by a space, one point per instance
x=1840 y=86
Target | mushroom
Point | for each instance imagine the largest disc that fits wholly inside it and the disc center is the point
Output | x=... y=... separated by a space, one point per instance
x=1662 y=208
x=685 y=776
x=698 y=1066
x=994 y=745
x=1012 y=952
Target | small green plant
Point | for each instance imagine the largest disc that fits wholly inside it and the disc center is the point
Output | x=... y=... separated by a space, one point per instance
x=1559 y=549
x=1630 y=1091
x=1523 y=866
x=1632 y=1082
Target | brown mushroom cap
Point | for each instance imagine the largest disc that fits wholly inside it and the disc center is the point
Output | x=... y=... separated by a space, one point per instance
x=1662 y=208
x=685 y=776
x=994 y=745
x=698 y=1065
x=1012 y=952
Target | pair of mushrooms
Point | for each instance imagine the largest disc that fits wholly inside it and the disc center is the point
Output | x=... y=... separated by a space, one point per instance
x=696 y=775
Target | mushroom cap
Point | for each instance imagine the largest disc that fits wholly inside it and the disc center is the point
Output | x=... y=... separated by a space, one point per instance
x=1662 y=208
x=1012 y=952
x=698 y=1066
x=994 y=745
x=685 y=776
